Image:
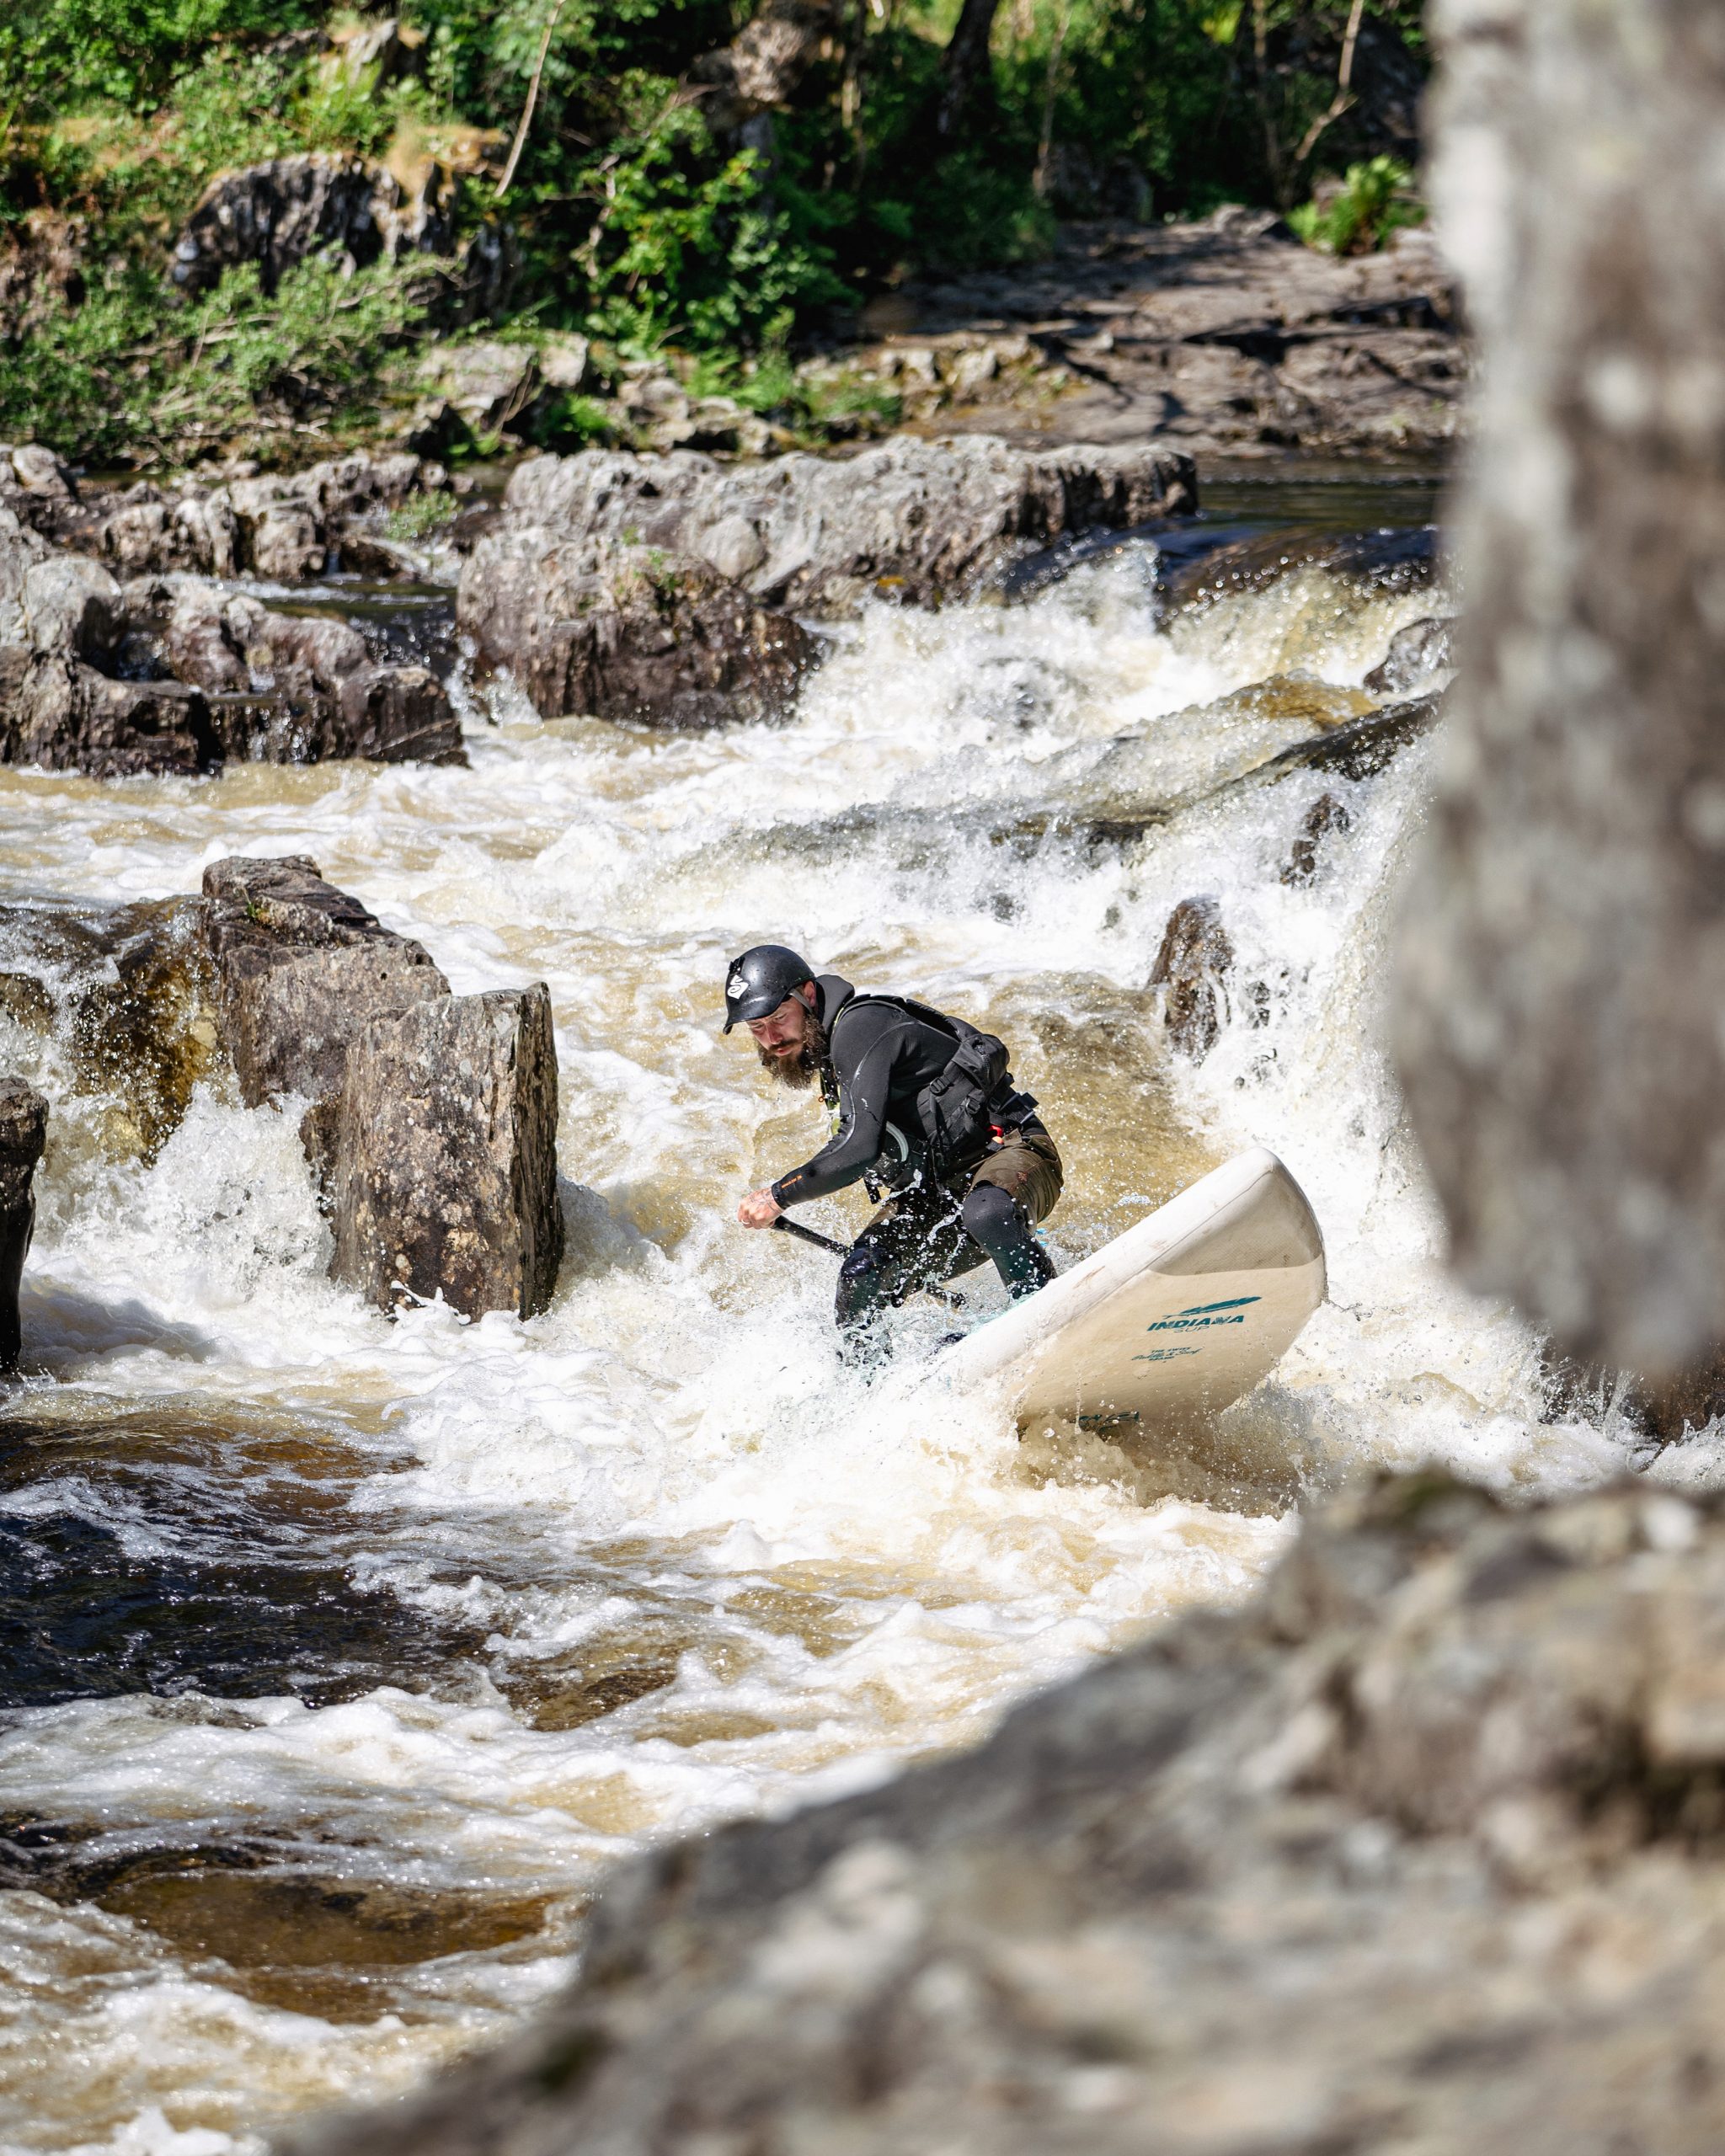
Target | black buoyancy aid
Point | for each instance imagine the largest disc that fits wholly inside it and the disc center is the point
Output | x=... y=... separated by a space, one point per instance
x=962 y=1109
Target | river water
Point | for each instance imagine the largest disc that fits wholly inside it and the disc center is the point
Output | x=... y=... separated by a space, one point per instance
x=344 y=1657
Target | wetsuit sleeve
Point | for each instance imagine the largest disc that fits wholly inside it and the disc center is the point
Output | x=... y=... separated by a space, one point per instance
x=865 y=1046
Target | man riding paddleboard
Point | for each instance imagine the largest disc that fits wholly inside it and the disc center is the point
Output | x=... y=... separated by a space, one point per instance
x=924 y=1114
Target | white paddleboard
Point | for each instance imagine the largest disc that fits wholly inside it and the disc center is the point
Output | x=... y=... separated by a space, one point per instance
x=1179 y=1317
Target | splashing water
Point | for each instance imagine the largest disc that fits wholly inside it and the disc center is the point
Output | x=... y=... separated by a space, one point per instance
x=355 y=1652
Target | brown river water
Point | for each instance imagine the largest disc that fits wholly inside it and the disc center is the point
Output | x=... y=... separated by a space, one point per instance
x=343 y=1658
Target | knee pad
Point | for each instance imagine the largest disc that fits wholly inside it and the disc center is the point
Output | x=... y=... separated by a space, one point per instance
x=989 y=1212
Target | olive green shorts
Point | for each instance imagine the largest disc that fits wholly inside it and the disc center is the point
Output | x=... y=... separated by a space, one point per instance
x=1026 y=1166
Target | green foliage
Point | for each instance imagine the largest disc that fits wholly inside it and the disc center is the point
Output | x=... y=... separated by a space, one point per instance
x=568 y=422
x=1375 y=199
x=626 y=219
x=706 y=258
x=113 y=377
x=60 y=56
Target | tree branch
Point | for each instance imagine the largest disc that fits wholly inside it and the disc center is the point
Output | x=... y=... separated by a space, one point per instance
x=520 y=141
x=1344 y=97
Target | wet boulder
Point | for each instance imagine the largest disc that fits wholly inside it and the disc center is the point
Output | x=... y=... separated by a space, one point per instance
x=1194 y=967
x=1417 y=656
x=1139 y=779
x=432 y=1125
x=442 y=1176
x=288 y=688
x=908 y=520
x=1359 y=749
x=1327 y=818
x=124 y=992
x=58 y=715
x=24 y=1131
x=299 y=968
x=630 y=632
x=1373 y=564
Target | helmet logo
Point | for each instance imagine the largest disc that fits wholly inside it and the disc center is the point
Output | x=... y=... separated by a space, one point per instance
x=736 y=985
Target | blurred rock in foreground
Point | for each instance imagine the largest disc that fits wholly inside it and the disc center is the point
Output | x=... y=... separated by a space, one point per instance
x=1564 y=952
x=1422 y=1851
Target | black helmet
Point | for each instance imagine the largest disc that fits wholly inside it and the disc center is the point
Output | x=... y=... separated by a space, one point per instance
x=760 y=981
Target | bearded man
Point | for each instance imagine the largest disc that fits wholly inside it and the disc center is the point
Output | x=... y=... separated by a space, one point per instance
x=925 y=1114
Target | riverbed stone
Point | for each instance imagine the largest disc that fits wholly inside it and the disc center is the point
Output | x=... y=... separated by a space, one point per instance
x=1562 y=958
x=1328 y=819
x=23 y=1132
x=300 y=968
x=1418 y=655
x=443 y=1174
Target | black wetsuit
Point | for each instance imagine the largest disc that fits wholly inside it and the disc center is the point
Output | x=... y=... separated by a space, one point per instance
x=880 y=1057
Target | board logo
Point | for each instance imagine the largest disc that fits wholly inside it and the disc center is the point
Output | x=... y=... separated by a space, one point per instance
x=1202 y=1314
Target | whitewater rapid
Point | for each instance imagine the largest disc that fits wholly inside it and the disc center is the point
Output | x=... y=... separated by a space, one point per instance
x=653 y=1560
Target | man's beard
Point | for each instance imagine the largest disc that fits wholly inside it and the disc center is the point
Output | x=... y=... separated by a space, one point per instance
x=798 y=1071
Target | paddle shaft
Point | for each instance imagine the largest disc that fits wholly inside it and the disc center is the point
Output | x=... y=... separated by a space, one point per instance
x=787 y=1226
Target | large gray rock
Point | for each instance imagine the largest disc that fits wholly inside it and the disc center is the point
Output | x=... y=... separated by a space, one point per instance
x=24 y=1131
x=1417 y=1852
x=443 y=1175
x=629 y=632
x=431 y=1133
x=300 y=969
x=1563 y=957
x=911 y=520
